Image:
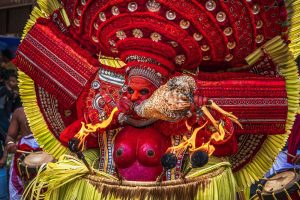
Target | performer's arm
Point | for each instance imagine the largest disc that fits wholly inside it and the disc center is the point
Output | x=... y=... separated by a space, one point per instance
x=70 y=131
x=296 y=160
x=87 y=114
x=12 y=134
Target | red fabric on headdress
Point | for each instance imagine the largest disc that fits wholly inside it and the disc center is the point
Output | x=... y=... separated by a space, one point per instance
x=57 y=64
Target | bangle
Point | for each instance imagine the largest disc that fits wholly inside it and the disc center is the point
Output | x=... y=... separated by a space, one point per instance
x=10 y=142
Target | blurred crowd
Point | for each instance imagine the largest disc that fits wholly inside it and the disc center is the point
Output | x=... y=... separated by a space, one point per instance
x=9 y=101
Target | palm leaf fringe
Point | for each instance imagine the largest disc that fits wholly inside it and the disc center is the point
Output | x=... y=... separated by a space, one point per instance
x=293 y=8
x=37 y=123
x=44 y=9
x=35 y=118
x=53 y=176
x=69 y=178
x=262 y=161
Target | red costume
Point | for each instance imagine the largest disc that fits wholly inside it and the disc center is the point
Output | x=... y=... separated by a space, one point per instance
x=218 y=67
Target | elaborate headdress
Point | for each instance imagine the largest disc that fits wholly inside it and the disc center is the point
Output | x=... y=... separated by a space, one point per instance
x=177 y=34
x=165 y=36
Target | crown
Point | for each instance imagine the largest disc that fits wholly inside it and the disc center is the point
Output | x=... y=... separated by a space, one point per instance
x=142 y=59
x=150 y=74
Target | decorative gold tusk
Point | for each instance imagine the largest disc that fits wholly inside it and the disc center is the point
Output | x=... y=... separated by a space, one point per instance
x=213 y=105
x=220 y=110
x=210 y=117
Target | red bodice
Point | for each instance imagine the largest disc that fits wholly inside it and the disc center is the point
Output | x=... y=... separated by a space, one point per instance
x=137 y=153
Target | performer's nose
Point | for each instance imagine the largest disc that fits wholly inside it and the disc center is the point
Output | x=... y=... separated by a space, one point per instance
x=135 y=96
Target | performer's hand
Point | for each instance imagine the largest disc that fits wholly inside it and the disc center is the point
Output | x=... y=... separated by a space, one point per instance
x=200 y=101
x=11 y=147
x=180 y=91
x=296 y=160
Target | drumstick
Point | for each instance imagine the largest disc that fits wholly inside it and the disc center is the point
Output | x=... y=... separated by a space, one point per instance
x=20 y=151
x=272 y=179
x=288 y=154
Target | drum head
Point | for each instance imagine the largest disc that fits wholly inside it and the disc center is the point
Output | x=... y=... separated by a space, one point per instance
x=36 y=159
x=280 y=181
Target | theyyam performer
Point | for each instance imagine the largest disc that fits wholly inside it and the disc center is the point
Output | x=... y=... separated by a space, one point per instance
x=158 y=99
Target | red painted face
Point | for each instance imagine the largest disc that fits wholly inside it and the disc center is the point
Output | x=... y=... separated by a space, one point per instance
x=139 y=89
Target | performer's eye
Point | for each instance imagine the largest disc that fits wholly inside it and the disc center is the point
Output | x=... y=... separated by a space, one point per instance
x=144 y=91
x=130 y=90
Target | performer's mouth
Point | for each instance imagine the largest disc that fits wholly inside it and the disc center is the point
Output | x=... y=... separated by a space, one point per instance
x=134 y=107
x=136 y=103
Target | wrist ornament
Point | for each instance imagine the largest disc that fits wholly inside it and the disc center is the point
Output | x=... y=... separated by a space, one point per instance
x=10 y=142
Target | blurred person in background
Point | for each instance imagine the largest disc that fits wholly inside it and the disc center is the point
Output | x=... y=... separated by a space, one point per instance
x=19 y=137
x=2 y=74
x=9 y=101
x=6 y=58
x=3 y=169
x=9 y=98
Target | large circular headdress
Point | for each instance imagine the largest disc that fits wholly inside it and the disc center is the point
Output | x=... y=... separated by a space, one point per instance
x=179 y=35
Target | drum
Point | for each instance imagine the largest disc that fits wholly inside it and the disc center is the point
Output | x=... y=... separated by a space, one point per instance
x=29 y=164
x=284 y=185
